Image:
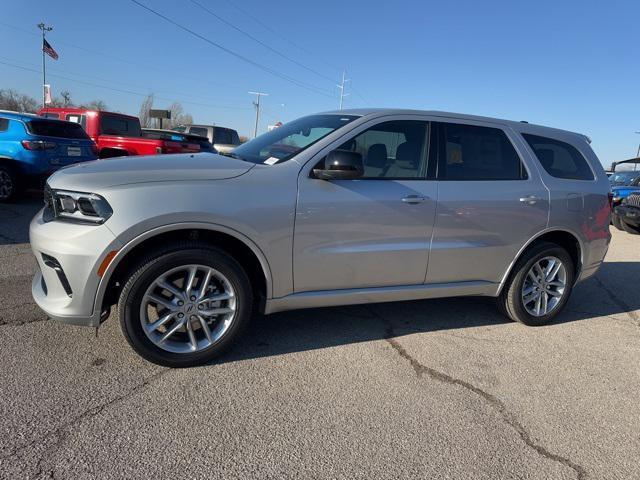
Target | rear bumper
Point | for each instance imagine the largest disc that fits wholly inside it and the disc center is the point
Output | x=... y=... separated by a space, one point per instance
x=68 y=257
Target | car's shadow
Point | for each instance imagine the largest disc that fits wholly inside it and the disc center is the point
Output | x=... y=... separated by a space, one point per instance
x=610 y=293
x=16 y=216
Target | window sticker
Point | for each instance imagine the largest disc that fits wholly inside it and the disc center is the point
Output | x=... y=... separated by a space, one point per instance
x=271 y=160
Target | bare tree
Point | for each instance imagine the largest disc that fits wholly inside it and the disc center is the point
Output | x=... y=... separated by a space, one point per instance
x=66 y=98
x=17 y=102
x=178 y=117
x=95 y=105
x=147 y=104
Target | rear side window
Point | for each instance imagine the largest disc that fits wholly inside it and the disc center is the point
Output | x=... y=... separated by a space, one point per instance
x=201 y=131
x=470 y=152
x=559 y=159
x=4 y=124
x=119 y=126
x=76 y=118
x=55 y=128
x=222 y=136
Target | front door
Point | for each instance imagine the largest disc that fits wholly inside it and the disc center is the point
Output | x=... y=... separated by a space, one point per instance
x=489 y=204
x=373 y=231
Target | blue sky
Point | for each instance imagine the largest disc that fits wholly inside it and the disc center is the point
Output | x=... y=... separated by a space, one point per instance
x=568 y=64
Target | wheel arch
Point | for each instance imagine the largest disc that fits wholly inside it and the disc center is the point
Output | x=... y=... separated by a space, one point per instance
x=563 y=237
x=243 y=249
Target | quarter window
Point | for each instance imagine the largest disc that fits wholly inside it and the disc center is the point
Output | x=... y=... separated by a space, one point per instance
x=470 y=152
x=559 y=159
x=392 y=150
x=75 y=118
x=4 y=124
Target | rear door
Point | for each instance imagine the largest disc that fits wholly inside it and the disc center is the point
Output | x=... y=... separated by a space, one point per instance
x=372 y=231
x=490 y=203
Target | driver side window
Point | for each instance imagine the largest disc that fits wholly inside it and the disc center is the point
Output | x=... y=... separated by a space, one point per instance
x=392 y=150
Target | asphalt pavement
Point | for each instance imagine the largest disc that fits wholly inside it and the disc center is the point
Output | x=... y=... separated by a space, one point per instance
x=427 y=389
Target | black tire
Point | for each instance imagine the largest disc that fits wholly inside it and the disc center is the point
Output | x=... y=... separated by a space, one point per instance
x=9 y=183
x=157 y=263
x=615 y=219
x=633 y=230
x=510 y=299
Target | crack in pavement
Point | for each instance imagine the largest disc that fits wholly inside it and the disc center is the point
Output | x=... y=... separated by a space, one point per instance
x=492 y=400
x=620 y=302
x=61 y=432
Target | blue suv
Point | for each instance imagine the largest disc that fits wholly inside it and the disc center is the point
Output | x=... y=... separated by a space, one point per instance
x=32 y=148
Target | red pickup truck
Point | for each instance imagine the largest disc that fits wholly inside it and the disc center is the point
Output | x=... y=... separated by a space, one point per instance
x=116 y=134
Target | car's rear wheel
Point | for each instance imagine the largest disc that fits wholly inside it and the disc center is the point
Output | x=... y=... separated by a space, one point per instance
x=539 y=285
x=186 y=306
x=8 y=183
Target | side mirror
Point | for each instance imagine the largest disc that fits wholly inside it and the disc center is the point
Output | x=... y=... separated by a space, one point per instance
x=341 y=165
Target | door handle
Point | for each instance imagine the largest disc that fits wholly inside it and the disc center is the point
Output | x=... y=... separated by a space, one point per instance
x=530 y=200
x=414 y=199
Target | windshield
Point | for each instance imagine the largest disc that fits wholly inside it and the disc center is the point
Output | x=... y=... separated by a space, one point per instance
x=282 y=143
x=623 y=177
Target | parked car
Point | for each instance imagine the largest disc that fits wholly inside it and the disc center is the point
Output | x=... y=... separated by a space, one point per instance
x=362 y=206
x=223 y=139
x=32 y=148
x=620 y=192
x=116 y=134
x=627 y=215
x=189 y=142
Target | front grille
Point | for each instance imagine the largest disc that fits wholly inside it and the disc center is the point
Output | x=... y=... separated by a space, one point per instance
x=634 y=200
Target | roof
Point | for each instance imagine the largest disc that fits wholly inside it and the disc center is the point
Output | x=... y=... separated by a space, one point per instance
x=17 y=115
x=517 y=125
x=82 y=110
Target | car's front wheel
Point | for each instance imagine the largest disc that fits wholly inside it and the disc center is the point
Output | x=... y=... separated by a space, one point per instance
x=185 y=305
x=539 y=285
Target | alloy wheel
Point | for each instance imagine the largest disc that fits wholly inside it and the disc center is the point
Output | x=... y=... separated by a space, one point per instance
x=6 y=185
x=188 y=308
x=544 y=286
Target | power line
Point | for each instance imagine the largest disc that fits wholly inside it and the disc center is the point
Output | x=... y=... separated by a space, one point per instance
x=276 y=73
x=257 y=40
x=119 y=59
x=277 y=33
x=77 y=74
x=130 y=92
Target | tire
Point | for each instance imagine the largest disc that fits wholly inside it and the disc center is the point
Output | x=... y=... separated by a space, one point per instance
x=633 y=230
x=615 y=219
x=510 y=300
x=176 y=258
x=9 y=185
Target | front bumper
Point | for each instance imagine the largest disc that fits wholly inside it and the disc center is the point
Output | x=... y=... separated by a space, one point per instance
x=69 y=255
x=630 y=215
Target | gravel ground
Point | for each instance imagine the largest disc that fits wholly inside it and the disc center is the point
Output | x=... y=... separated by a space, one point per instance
x=427 y=389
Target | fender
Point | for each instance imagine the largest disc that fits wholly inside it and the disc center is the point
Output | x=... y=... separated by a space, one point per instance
x=533 y=239
x=104 y=281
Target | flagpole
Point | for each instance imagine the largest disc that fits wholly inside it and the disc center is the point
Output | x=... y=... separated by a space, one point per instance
x=44 y=29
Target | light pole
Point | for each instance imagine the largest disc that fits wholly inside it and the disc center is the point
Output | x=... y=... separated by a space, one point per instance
x=638 y=152
x=44 y=28
x=257 y=105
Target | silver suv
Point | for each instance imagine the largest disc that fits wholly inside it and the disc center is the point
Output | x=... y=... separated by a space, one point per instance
x=338 y=208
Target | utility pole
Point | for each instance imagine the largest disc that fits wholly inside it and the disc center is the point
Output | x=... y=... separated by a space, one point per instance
x=44 y=28
x=341 y=87
x=638 y=153
x=257 y=105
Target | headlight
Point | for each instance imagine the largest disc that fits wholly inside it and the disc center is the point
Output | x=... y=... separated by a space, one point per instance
x=76 y=206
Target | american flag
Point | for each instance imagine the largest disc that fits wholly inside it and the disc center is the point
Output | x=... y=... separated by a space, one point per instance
x=48 y=49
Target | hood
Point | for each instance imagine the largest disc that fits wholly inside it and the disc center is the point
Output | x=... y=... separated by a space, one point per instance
x=90 y=176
